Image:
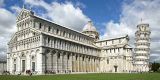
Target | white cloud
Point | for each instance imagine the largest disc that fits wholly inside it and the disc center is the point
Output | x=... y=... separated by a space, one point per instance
x=65 y=14
x=131 y=15
x=7 y=27
x=16 y=9
x=62 y=13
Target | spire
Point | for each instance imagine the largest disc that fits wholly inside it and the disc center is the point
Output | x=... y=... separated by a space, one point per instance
x=30 y=8
x=141 y=20
x=23 y=6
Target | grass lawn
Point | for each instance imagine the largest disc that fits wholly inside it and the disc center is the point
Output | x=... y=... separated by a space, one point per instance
x=94 y=76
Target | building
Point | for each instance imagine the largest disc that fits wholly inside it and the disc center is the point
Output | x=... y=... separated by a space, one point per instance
x=42 y=46
x=3 y=66
x=116 y=55
x=142 y=50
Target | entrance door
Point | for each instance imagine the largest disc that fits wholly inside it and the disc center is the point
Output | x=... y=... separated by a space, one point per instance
x=14 y=67
x=33 y=66
x=115 y=68
x=23 y=65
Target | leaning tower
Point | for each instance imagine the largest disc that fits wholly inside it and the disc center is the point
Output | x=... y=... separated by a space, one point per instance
x=142 y=48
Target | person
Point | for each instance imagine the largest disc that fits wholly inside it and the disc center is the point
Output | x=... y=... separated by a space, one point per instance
x=30 y=74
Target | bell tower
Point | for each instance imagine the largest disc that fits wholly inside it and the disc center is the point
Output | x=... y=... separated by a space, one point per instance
x=142 y=48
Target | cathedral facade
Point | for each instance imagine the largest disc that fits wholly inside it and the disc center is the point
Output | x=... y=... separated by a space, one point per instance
x=42 y=46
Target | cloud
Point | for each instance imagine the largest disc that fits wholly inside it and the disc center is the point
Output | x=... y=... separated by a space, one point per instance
x=7 y=27
x=131 y=15
x=66 y=14
x=16 y=9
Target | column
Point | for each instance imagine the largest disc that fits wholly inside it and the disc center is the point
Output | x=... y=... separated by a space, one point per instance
x=69 y=66
x=80 y=63
x=83 y=63
x=73 y=63
x=55 y=61
x=49 y=62
x=28 y=62
x=58 y=60
x=59 y=64
x=92 y=65
x=86 y=64
x=18 y=64
x=77 y=62
x=89 y=65
x=95 y=65
x=43 y=63
x=98 y=64
x=65 y=63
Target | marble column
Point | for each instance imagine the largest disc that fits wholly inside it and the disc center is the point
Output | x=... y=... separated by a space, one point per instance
x=18 y=64
x=91 y=64
x=59 y=64
x=83 y=70
x=94 y=64
x=98 y=64
x=87 y=65
x=96 y=67
x=80 y=63
x=77 y=62
x=55 y=61
x=69 y=66
x=65 y=62
x=73 y=63
x=84 y=63
x=49 y=62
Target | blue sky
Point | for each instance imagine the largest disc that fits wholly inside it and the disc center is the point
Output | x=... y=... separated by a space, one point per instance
x=112 y=18
x=98 y=11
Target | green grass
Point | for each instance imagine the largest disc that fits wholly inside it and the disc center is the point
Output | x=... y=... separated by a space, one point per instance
x=96 y=76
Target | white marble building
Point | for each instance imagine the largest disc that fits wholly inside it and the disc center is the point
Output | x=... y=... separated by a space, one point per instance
x=116 y=55
x=3 y=67
x=142 y=50
x=42 y=46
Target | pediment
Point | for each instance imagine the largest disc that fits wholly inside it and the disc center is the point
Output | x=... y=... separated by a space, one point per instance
x=127 y=46
x=13 y=38
x=24 y=14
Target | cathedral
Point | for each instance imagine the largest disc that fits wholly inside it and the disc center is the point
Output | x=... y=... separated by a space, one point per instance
x=42 y=46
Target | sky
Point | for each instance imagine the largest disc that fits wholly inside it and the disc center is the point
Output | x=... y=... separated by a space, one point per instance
x=112 y=18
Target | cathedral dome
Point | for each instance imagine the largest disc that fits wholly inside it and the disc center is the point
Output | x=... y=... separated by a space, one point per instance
x=90 y=30
x=89 y=27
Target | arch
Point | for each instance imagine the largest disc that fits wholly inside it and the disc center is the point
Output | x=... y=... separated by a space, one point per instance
x=47 y=51
x=37 y=51
x=33 y=57
x=53 y=51
x=32 y=52
x=68 y=56
x=23 y=54
x=27 y=52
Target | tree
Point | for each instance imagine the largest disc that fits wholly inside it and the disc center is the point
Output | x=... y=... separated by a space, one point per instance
x=155 y=67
